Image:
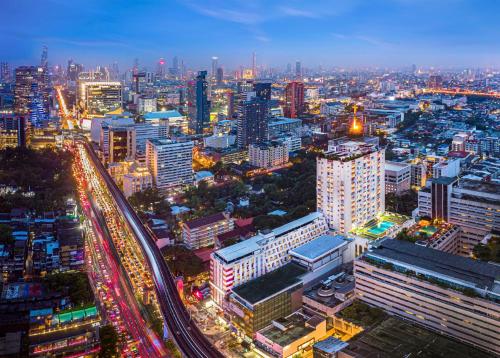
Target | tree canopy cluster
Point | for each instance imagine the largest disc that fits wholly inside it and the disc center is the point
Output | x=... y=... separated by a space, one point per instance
x=45 y=172
x=75 y=284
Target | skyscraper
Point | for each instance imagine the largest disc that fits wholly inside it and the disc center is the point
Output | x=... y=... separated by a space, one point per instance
x=5 y=74
x=254 y=65
x=198 y=103
x=298 y=70
x=31 y=94
x=160 y=69
x=219 y=78
x=350 y=183
x=215 y=66
x=294 y=99
x=252 y=121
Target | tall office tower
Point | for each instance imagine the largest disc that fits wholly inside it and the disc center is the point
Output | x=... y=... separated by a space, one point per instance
x=160 y=69
x=472 y=205
x=254 y=65
x=5 y=74
x=44 y=60
x=122 y=143
x=30 y=94
x=139 y=81
x=135 y=67
x=215 y=66
x=263 y=90
x=298 y=70
x=289 y=68
x=219 y=78
x=115 y=72
x=170 y=162
x=230 y=103
x=350 y=184
x=294 y=99
x=175 y=67
x=252 y=121
x=98 y=98
x=198 y=103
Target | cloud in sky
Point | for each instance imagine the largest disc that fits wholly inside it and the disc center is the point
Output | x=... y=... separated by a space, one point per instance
x=333 y=32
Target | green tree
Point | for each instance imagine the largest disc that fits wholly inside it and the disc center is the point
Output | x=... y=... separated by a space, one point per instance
x=74 y=284
x=6 y=237
x=109 y=342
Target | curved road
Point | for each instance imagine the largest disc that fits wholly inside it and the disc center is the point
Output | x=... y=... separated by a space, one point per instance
x=191 y=342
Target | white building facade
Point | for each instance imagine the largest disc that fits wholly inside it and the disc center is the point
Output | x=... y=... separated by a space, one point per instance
x=350 y=184
x=170 y=162
x=265 y=252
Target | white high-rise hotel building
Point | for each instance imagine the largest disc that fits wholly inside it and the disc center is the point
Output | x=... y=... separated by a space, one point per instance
x=350 y=186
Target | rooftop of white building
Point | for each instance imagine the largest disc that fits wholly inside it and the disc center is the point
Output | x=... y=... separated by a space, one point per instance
x=248 y=247
x=319 y=247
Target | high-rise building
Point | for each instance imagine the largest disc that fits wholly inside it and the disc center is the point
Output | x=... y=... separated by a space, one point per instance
x=5 y=73
x=12 y=131
x=472 y=205
x=252 y=120
x=298 y=70
x=453 y=295
x=350 y=185
x=122 y=144
x=31 y=94
x=215 y=66
x=73 y=71
x=160 y=69
x=170 y=162
x=254 y=65
x=174 y=70
x=268 y=155
x=294 y=99
x=198 y=103
x=139 y=81
x=219 y=78
x=98 y=98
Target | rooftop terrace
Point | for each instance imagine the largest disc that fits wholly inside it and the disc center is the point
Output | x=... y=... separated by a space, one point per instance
x=270 y=284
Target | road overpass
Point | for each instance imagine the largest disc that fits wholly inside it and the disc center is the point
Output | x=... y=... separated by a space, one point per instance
x=191 y=342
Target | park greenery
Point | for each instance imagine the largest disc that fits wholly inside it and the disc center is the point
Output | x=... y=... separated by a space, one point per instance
x=361 y=314
x=149 y=200
x=403 y=203
x=109 y=341
x=41 y=179
x=489 y=251
x=6 y=237
x=75 y=284
x=182 y=262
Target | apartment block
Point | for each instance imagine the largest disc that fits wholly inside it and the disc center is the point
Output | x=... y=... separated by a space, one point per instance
x=202 y=232
x=397 y=177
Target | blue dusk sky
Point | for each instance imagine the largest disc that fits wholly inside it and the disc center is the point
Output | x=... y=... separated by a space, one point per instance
x=344 y=33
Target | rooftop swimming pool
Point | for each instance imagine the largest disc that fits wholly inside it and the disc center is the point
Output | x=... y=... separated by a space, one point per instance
x=380 y=228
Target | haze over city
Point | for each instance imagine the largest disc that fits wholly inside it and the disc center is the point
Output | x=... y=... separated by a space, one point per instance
x=343 y=33
x=249 y=178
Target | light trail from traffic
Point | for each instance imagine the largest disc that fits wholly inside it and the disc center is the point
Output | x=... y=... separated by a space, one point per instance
x=462 y=92
x=183 y=330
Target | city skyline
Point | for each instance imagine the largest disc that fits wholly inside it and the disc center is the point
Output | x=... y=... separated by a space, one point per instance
x=385 y=33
